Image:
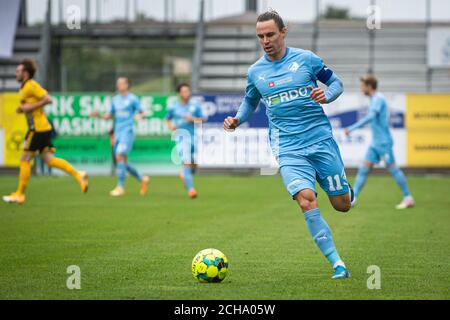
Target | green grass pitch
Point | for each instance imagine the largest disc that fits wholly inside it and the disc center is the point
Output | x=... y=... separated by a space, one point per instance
x=141 y=247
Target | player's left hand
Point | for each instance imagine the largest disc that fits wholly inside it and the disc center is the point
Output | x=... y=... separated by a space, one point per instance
x=317 y=95
x=189 y=118
x=139 y=117
x=19 y=109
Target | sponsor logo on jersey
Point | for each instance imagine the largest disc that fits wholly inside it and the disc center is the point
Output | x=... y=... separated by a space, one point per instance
x=286 y=96
x=283 y=81
x=280 y=82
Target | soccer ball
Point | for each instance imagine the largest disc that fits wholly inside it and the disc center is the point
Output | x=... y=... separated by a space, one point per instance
x=210 y=265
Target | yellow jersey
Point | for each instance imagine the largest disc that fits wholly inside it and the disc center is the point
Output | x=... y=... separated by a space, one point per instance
x=31 y=92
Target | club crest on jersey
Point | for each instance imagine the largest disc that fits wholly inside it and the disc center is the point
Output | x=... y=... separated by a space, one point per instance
x=293 y=67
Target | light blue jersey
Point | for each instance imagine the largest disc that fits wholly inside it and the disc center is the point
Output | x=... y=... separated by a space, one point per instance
x=300 y=133
x=177 y=113
x=294 y=117
x=123 y=109
x=378 y=116
x=382 y=143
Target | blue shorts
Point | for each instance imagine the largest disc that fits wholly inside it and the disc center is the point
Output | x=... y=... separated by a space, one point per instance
x=186 y=152
x=377 y=153
x=123 y=142
x=185 y=144
x=322 y=162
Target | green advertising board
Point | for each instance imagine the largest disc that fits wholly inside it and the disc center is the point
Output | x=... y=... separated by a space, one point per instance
x=85 y=141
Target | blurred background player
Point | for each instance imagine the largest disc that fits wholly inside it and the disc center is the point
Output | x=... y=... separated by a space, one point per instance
x=181 y=118
x=38 y=139
x=125 y=108
x=381 y=147
x=286 y=78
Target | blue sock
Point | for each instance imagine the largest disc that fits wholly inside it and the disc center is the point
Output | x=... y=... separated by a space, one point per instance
x=188 y=179
x=400 y=179
x=121 y=172
x=133 y=171
x=321 y=235
x=360 y=180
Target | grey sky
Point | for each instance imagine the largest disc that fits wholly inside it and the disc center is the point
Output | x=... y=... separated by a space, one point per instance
x=291 y=10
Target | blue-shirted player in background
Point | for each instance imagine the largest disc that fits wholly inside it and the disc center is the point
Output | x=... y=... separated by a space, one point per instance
x=125 y=109
x=382 y=143
x=181 y=118
x=300 y=132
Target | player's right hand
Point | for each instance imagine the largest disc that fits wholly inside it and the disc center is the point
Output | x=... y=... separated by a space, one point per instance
x=230 y=123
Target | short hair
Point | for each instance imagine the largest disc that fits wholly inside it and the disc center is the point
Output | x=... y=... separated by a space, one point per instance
x=181 y=85
x=126 y=78
x=370 y=80
x=272 y=15
x=29 y=66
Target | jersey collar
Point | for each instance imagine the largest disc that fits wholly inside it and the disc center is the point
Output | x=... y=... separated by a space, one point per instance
x=23 y=83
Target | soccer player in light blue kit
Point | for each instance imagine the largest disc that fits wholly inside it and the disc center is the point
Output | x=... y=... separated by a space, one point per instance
x=181 y=118
x=382 y=143
x=300 y=132
x=125 y=108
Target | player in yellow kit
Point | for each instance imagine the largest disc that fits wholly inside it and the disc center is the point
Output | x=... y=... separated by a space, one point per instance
x=33 y=98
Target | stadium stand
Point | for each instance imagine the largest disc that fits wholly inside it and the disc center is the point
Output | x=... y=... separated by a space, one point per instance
x=229 y=46
x=26 y=45
x=399 y=55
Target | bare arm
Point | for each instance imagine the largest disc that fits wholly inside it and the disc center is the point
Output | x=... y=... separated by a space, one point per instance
x=29 y=107
x=96 y=114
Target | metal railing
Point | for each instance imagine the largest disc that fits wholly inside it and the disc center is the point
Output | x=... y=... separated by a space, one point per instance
x=198 y=53
x=45 y=48
x=102 y=11
x=133 y=8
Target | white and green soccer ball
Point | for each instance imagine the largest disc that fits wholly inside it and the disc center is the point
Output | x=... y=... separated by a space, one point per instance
x=210 y=265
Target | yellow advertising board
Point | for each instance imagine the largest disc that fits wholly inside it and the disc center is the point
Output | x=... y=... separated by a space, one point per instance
x=1 y=110
x=428 y=111
x=428 y=130
x=428 y=149
x=14 y=126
